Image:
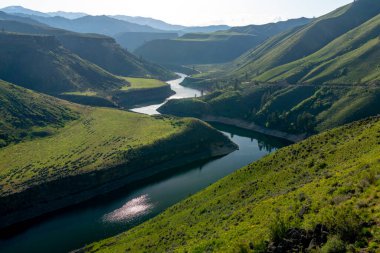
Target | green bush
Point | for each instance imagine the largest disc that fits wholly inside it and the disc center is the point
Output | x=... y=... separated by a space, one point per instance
x=278 y=229
x=334 y=245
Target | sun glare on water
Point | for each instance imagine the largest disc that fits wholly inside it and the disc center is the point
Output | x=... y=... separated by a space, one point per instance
x=131 y=210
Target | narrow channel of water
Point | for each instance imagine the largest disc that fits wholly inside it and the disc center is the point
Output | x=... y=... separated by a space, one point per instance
x=119 y=211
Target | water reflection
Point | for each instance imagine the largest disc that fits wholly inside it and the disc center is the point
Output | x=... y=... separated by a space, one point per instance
x=131 y=210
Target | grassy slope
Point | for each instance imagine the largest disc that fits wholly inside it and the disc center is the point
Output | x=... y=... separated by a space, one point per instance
x=328 y=179
x=294 y=45
x=142 y=83
x=106 y=53
x=294 y=109
x=25 y=114
x=99 y=49
x=67 y=71
x=84 y=138
x=351 y=58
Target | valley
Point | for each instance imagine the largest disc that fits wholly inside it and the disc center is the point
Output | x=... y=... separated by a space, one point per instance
x=245 y=126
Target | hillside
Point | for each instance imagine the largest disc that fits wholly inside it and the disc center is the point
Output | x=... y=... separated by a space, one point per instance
x=350 y=59
x=86 y=151
x=216 y=47
x=322 y=192
x=293 y=109
x=301 y=42
x=25 y=114
x=133 y=40
x=67 y=71
x=98 y=49
x=106 y=53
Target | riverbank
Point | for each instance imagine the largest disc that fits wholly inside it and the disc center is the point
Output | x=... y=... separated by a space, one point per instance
x=254 y=127
x=107 y=149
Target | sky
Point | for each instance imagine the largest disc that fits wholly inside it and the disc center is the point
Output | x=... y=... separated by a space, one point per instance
x=191 y=12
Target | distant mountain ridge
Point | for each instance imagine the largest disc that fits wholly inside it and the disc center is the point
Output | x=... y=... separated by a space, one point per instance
x=216 y=47
x=144 y=22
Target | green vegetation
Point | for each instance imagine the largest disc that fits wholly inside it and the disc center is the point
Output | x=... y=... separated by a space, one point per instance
x=98 y=49
x=216 y=47
x=142 y=83
x=301 y=42
x=328 y=184
x=289 y=108
x=64 y=153
x=306 y=80
x=98 y=140
x=111 y=57
x=25 y=114
x=350 y=59
x=67 y=71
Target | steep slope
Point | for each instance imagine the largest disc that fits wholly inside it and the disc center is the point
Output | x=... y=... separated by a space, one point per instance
x=350 y=59
x=304 y=41
x=217 y=47
x=321 y=193
x=78 y=152
x=296 y=109
x=106 y=53
x=25 y=114
x=41 y=64
x=98 y=49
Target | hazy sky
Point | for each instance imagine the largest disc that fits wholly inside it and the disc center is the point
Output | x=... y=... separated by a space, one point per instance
x=192 y=12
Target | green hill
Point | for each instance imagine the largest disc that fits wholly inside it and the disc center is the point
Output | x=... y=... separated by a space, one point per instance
x=216 y=47
x=62 y=153
x=301 y=42
x=296 y=109
x=98 y=49
x=350 y=59
x=25 y=114
x=320 y=193
x=40 y=63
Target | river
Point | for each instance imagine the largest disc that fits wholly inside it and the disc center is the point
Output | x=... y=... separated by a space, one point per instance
x=119 y=211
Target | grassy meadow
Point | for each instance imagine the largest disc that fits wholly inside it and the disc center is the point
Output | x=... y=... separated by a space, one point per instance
x=142 y=83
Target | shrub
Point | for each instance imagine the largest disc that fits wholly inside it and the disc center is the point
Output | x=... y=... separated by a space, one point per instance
x=334 y=245
x=278 y=229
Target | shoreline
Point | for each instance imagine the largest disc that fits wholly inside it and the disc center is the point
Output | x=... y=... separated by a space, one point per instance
x=61 y=200
x=254 y=127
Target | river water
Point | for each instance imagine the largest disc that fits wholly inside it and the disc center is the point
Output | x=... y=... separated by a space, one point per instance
x=119 y=211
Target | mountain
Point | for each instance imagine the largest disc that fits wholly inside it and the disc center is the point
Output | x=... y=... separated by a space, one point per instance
x=216 y=47
x=133 y=40
x=303 y=41
x=157 y=24
x=205 y=29
x=336 y=84
x=26 y=20
x=318 y=195
x=67 y=71
x=93 y=24
x=350 y=59
x=68 y=15
x=106 y=53
x=22 y=10
x=101 y=50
